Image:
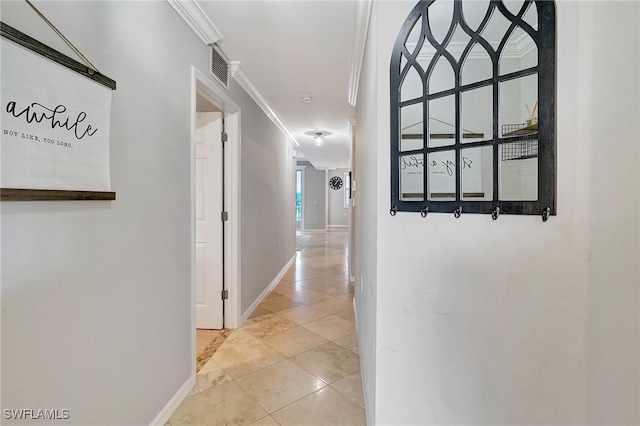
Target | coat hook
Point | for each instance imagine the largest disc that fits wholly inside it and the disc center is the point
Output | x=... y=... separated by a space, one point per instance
x=393 y=211
x=495 y=213
x=546 y=213
x=424 y=211
x=457 y=212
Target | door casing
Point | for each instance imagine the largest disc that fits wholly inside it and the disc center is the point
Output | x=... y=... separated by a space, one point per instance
x=205 y=86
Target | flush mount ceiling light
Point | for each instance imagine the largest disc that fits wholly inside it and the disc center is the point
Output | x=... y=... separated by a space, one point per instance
x=307 y=99
x=318 y=136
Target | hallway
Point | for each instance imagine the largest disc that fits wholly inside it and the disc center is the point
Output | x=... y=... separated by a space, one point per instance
x=295 y=361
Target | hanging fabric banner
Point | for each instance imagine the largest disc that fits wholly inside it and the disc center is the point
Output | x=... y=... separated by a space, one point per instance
x=55 y=125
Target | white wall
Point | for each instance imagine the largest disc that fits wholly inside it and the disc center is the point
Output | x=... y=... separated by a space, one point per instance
x=268 y=199
x=514 y=321
x=611 y=101
x=338 y=212
x=365 y=224
x=96 y=303
x=96 y=295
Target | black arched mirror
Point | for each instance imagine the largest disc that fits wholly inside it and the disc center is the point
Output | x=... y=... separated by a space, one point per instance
x=473 y=108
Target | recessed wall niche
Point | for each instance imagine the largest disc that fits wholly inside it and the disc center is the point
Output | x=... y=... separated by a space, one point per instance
x=473 y=108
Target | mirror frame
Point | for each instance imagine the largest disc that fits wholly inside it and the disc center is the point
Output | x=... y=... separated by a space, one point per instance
x=545 y=39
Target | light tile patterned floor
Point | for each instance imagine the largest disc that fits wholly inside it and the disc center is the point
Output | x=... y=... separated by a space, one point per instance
x=295 y=361
x=207 y=343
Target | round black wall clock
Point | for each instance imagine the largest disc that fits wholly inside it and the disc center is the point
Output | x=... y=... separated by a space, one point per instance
x=335 y=183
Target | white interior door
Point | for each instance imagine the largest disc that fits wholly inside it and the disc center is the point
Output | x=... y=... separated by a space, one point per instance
x=209 y=242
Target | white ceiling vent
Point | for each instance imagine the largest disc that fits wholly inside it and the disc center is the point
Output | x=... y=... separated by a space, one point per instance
x=220 y=69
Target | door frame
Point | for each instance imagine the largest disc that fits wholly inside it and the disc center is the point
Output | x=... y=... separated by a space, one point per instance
x=205 y=86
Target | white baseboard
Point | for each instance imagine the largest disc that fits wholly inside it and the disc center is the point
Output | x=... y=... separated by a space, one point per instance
x=362 y=375
x=367 y=407
x=175 y=401
x=338 y=226
x=355 y=313
x=267 y=290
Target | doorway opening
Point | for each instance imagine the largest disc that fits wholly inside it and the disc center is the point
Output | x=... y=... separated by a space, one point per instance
x=215 y=171
x=209 y=181
x=299 y=195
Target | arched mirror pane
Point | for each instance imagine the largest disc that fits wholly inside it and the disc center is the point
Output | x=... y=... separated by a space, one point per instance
x=411 y=120
x=477 y=114
x=458 y=43
x=412 y=86
x=519 y=53
x=474 y=12
x=477 y=173
x=478 y=65
x=517 y=172
x=426 y=54
x=442 y=176
x=412 y=177
x=442 y=77
x=414 y=37
x=531 y=16
x=513 y=6
x=440 y=18
x=470 y=105
x=518 y=167
x=495 y=29
x=518 y=106
x=442 y=119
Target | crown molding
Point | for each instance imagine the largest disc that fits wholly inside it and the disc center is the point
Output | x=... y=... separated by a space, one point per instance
x=233 y=67
x=358 y=44
x=243 y=78
x=191 y=12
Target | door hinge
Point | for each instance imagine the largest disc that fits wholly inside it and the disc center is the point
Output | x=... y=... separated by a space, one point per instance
x=224 y=136
x=224 y=216
x=225 y=294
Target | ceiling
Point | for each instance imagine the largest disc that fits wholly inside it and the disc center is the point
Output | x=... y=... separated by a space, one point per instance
x=292 y=49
